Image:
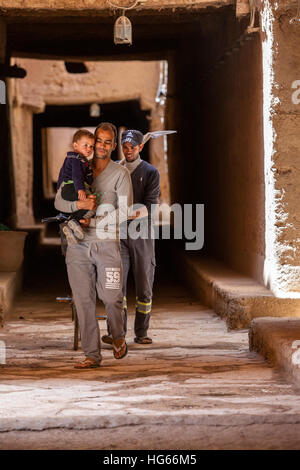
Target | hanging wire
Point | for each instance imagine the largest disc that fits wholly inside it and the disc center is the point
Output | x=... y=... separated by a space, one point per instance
x=122 y=7
x=296 y=19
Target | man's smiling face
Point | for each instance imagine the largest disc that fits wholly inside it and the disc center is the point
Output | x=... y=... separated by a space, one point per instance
x=131 y=153
x=104 y=144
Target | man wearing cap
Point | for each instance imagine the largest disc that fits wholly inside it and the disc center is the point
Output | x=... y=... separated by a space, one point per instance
x=139 y=253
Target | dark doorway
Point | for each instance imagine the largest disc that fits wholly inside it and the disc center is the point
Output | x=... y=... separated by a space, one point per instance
x=123 y=114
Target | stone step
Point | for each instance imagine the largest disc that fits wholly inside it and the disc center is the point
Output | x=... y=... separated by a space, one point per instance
x=238 y=299
x=278 y=340
x=10 y=285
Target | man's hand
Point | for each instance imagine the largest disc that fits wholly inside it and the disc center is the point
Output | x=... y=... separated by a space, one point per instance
x=89 y=203
x=85 y=222
x=135 y=216
x=81 y=195
x=138 y=213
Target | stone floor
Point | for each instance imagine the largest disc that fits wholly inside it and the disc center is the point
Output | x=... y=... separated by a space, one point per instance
x=196 y=387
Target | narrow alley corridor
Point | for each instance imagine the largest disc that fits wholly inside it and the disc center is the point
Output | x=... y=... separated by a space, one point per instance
x=196 y=387
x=223 y=75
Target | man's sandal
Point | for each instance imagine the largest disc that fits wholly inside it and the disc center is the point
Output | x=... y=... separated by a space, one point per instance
x=88 y=363
x=107 y=339
x=121 y=349
x=143 y=340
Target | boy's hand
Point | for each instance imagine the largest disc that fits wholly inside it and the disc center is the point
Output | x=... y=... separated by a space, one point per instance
x=88 y=204
x=85 y=222
x=81 y=195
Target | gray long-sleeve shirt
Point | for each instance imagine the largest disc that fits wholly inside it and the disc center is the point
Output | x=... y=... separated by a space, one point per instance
x=114 y=188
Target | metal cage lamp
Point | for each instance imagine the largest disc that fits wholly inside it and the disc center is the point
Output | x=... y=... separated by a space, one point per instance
x=123 y=31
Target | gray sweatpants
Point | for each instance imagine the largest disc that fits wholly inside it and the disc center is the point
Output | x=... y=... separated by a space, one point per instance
x=96 y=268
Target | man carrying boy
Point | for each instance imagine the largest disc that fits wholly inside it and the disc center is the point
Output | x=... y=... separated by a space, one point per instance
x=94 y=264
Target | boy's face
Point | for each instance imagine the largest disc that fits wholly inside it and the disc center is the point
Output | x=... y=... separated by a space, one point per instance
x=85 y=146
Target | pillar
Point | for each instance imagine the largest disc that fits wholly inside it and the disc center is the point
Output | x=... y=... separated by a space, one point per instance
x=281 y=102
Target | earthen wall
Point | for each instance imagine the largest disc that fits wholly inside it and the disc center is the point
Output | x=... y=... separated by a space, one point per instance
x=47 y=82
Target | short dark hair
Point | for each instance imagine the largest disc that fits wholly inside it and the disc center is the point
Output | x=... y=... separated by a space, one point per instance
x=82 y=133
x=107 y=126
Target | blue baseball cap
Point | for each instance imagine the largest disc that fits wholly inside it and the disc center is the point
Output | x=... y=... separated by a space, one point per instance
x=132 y=136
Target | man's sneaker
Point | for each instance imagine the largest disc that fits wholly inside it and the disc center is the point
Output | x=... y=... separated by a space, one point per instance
x=76 y=229
x=143 y=340
x=71 y=239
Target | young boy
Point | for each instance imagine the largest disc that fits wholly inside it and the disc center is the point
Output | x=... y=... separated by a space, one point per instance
x=75 y=178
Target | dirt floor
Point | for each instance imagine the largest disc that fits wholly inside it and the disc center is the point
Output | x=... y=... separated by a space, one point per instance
x=196 y=387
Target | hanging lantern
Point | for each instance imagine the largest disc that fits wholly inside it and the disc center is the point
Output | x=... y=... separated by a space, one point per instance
x=95 y=110
x=123 y=31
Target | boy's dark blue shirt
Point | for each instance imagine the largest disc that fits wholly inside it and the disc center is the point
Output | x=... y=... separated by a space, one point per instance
x=76 y=167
